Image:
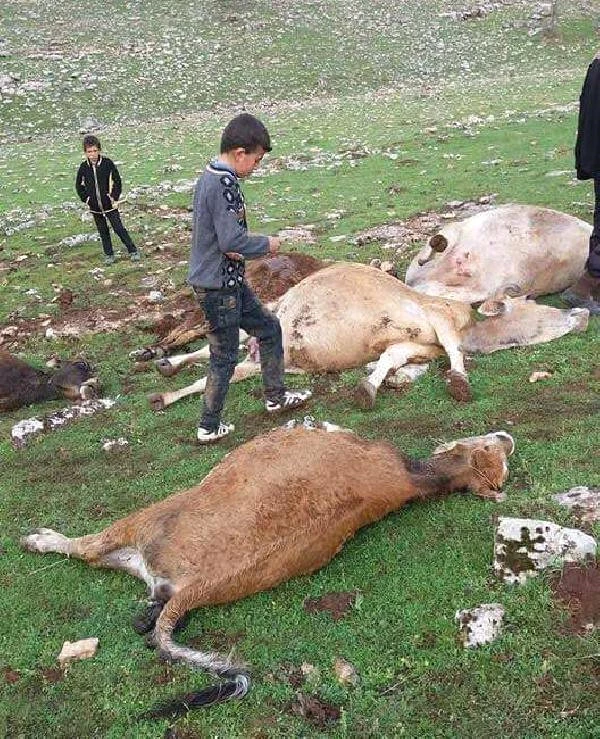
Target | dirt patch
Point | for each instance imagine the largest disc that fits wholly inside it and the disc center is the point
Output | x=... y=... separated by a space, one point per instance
x=336 y=604
x=52 y=674
x=317 y=712
x=10 y=676
x=421 y=227
x=578 y=588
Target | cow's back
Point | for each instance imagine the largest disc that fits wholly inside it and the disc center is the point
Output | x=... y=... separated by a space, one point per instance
x=538 y=250
x=347 y=314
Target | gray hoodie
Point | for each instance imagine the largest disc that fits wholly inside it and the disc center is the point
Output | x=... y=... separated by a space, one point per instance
x=219 y=226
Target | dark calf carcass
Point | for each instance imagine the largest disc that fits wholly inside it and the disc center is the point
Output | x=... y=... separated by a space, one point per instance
x=21 y=384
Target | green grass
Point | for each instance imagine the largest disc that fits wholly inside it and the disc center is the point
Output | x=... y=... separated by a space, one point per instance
x=355 y=114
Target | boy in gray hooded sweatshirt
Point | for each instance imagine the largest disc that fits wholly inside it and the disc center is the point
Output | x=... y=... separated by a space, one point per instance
x=220 y=246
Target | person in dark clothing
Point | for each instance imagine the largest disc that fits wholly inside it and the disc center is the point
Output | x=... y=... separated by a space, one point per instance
x=585 y=293
x=98 y=184
x=220 y=245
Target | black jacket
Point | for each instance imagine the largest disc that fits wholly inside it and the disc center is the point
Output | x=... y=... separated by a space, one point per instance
x=587 y=148
x=98 y=185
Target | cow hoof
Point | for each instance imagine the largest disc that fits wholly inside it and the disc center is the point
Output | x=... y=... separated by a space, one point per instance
x=165 y=367
x=142 y=355
x=145 y=622
x=365 y=395
x=43 y=540
x=458 y=386
x=156 y=401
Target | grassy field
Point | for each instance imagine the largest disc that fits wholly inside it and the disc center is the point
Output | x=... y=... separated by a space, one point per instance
x=377 y=113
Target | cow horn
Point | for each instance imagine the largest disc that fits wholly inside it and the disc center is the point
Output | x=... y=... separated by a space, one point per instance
x=426 y=259
x=492 y=307
x=438 y=243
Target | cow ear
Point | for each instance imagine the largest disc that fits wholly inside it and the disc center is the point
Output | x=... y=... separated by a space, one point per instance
x=493 y=307
x=438 y=243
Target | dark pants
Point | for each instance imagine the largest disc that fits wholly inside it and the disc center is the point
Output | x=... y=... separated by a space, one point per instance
x=593 y=262
x=112 y=217
x=226 y=312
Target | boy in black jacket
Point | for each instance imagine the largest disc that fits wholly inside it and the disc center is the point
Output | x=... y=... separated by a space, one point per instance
x=98 y=184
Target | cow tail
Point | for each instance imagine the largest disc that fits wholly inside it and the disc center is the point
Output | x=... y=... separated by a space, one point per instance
x=235 y=679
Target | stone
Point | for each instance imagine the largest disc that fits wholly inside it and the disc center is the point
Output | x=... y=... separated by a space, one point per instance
x=524 y=546
x=82 y=649
x=481 y=625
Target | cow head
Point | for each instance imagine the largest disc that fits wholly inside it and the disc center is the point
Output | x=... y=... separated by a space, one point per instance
x=520 y=322
x=75 y=380
x=478 y=463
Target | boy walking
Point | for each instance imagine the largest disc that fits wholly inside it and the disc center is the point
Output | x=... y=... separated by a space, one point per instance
x=220 y=245
x=98 y=184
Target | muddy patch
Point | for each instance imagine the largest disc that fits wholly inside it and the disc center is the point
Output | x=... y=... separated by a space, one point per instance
x=315 y=711
x=10 y=676
x=401 y=235
x=578 y=589
x=337 y=605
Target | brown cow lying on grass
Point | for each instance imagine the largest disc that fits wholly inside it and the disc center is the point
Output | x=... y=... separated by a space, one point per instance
x=347 y=314
x=265 y=514
x=21 y=384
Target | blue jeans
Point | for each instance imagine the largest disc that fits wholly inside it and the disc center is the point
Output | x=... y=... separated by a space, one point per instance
x=226 y=311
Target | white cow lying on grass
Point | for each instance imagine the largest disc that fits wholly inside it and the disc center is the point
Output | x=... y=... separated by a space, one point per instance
x=347 y=314
x=532 y=250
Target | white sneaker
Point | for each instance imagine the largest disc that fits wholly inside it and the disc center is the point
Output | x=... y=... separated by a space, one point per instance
x=290 y=399
x=205 y=436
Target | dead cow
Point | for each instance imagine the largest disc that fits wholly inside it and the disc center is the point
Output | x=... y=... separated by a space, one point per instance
x=531 y=250
x=349 y=314
x=21 y=384
x=269 y=277
x=265 y=515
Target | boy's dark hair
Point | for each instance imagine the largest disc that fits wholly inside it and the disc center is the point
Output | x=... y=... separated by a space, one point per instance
x=245 y=131
x=91 y=140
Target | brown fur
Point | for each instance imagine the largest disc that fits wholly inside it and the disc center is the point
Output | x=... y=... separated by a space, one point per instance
x=281 y=505
x=21 y=384
x=269 y=277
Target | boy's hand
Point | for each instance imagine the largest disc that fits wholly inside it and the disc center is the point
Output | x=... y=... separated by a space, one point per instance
x=274 y=244
x=234 y=256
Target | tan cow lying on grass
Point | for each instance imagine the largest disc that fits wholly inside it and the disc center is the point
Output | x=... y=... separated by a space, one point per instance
x=348 y=314
x=266 y=513
x=269 y=277
x=535 y=251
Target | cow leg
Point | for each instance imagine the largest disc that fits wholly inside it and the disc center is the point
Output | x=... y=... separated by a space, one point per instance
x=394 y=357
x=456 y=379
x=159 y=401
x=102 y=550
x=169 y=366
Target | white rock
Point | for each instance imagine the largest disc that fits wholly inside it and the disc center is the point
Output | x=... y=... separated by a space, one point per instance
x=345 y=671
x=523 y=546
x=83 y=649
x=539 y=375
x=155 y=296
x=480 y=625
x=405 y=375
x=585 y=500
x=111 y=444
